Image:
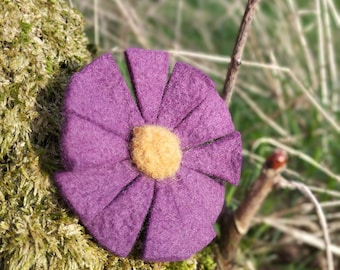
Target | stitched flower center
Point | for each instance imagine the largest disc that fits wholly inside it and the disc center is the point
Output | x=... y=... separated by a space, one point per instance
x=155 y=151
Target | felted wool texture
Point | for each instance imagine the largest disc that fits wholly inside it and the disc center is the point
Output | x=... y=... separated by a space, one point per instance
x=221 y=159
x=85 y=145
x=100 y=95
x=118 y=225
x=186 y=89
x=149 y=73
x=102 y=184
x=155 y=151
x=208 y=121
x=89 y=191
x=182 y=208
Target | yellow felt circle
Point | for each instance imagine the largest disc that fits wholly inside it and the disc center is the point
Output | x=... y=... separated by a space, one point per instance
x=155 y=151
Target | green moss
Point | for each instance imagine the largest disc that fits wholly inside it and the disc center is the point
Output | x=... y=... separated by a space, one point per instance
x=41 y=44
x=39 y=50
x=203 y=260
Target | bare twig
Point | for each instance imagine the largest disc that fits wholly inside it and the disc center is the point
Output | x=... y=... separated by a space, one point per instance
x=238 y=50
x=298 y=154
x=234 y=225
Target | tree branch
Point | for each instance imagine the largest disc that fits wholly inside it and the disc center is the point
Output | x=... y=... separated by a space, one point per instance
x=234 y=225
x=236 y=57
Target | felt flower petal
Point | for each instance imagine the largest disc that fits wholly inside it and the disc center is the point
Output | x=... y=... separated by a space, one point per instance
x=172 y=218
x=209 y=121
x=89 y=191
x=84 y=144
x=221 y=158
x=149 y=74
x=186 y=89
x=182 y=217
x=118 y=225
x=100 y=94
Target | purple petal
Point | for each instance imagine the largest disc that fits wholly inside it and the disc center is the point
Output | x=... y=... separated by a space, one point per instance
x=221 y=158
x=100 y=94
x=118 y=225
x=89 y=191
x=186 y=89
x=209 y=121
x=182 y=217
x=149 y=74
x=84 y=144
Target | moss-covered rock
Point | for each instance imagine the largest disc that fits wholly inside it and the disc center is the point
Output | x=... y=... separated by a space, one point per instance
x=41 y=44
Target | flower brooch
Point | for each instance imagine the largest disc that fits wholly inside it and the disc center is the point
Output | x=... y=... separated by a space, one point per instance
x=150 y=171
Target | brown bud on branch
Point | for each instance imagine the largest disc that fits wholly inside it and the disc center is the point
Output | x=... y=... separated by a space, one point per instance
x=234 y=225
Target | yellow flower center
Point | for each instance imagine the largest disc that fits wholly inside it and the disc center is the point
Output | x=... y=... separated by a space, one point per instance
x=155 y=151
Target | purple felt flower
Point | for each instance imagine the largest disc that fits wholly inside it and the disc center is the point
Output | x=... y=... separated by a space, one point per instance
x=150 y=171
